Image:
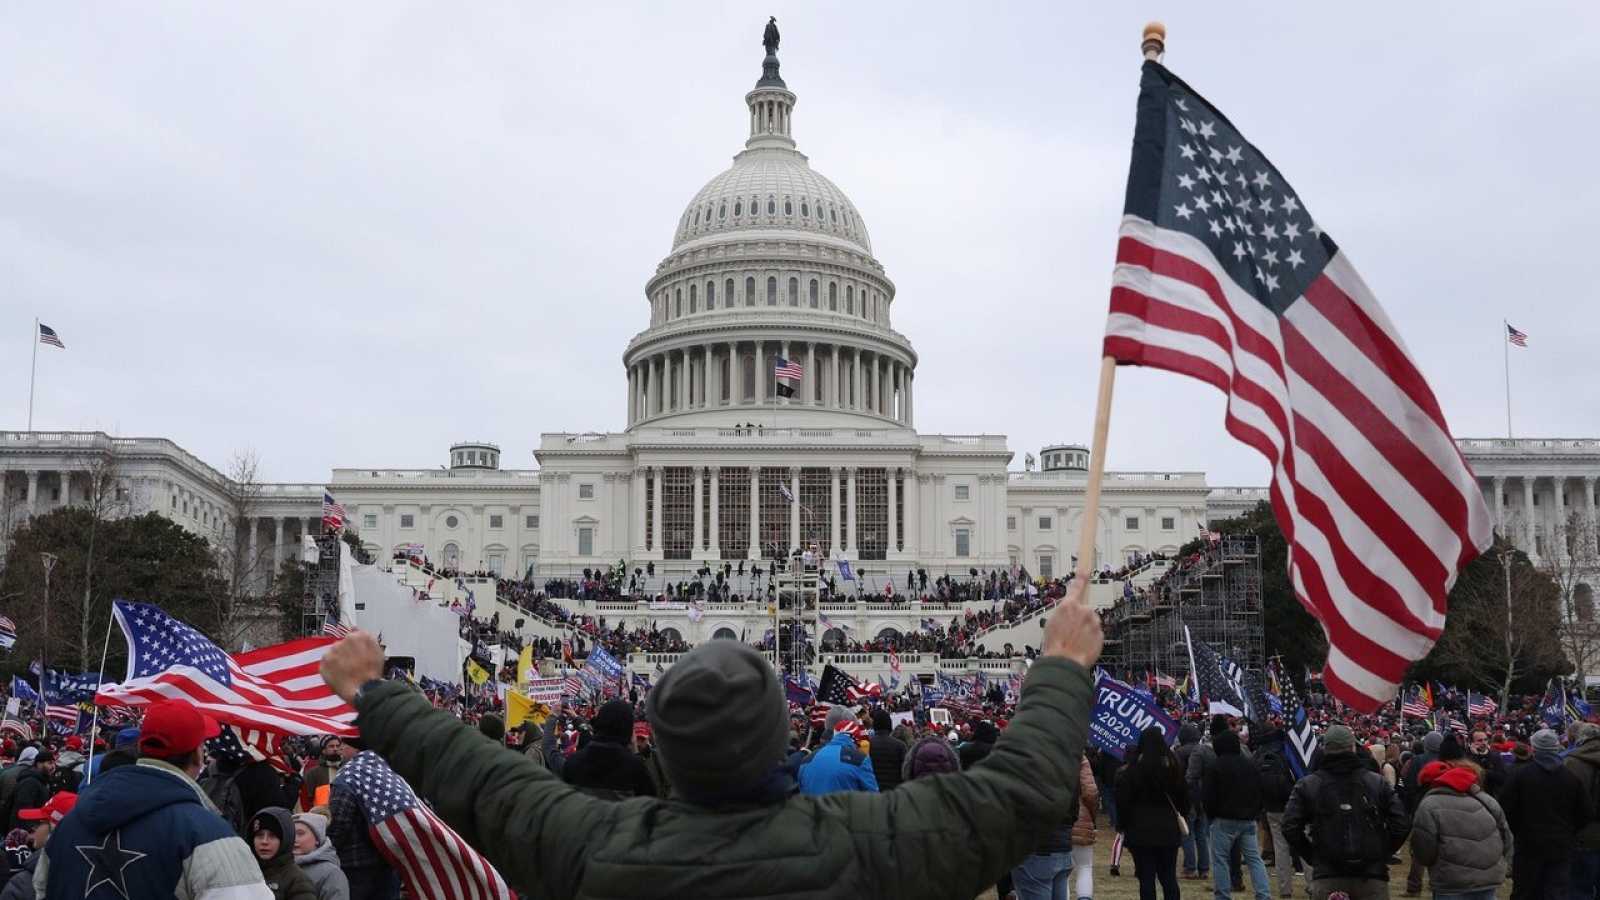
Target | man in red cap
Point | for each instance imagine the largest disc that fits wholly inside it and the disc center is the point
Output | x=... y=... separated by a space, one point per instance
x=147 y=829
x=39 y=822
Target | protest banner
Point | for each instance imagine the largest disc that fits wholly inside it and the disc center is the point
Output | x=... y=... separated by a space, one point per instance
x=1120 y=713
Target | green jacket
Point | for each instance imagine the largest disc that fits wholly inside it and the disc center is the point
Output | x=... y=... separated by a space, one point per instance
x=944 y=836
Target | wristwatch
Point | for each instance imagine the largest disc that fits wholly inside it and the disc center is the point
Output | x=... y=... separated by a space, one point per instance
x=365 y=686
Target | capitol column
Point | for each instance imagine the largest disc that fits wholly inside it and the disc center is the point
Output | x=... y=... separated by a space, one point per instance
x=277 y=545
x=713 y=376
x=699 y=511
x=640 y=485
x=253 y=558
x=1558 y=532
x=833 y=511
x=836 y=400
x=655 y=525
x=632 y=387
x=1588 y=507
x=658 y=384
x=911 y=379
x=1529 y=545
x=735 y=383
x=911 y=528
x=786 y=401
x=1499 y=489
x=794 y=509
x=850 y=520
x=811 y=379
x=683 y=379
x=894 y=526
x=755 y=512
x=716 y=514
x=855 y=383
x=760 y=386
x=33 y=491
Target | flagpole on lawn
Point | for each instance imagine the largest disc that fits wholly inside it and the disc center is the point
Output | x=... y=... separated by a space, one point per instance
x=1506 y=351
x=94 y=723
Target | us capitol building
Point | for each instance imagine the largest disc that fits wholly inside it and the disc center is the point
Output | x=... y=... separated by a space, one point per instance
x=769 y=261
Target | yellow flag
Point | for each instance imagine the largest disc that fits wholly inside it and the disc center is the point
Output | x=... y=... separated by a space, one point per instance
x=525 y=665
x=517 y=709
x=477 y=673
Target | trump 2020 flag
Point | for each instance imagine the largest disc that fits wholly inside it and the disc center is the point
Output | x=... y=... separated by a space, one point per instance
x=433 y=861
x=1222 y=275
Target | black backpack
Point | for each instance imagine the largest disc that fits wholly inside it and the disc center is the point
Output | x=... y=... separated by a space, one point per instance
x=1349 y=826
x=1277 y=780
x=227 y=798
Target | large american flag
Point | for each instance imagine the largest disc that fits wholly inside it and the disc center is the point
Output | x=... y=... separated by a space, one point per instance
x=1222 y=275
x=333 y=514
x=277 y=688
x=434 y=862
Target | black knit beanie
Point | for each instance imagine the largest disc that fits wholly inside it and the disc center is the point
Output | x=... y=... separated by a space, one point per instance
x=720 y=721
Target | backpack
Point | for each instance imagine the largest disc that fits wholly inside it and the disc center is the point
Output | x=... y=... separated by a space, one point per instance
x=1350 y=830
x=227 y=798
x=1277 y=781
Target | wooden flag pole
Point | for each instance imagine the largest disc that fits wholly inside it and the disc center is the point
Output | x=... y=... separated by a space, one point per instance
x=1152 y=46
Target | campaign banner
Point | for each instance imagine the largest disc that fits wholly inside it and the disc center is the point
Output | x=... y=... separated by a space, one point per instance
x=605 y=663
x=1120 y=713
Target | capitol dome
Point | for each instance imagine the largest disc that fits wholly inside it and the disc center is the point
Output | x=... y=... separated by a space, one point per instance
x=770 y=300
x=774 y=190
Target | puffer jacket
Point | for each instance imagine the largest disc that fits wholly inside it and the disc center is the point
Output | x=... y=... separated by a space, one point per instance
x=1459 y=832
x=1584 y=762
x=1083 y=833
x=284 y=879
x=321 y=867
x=20 y=887
x=950 y=836
x=153 y=809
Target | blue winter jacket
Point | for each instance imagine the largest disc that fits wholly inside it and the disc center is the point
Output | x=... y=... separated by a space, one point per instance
x=838 y=765
x=146 y=831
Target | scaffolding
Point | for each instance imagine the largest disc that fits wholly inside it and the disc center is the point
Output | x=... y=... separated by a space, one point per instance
x=794 y=614
x=1218 y=597
x=321 y=592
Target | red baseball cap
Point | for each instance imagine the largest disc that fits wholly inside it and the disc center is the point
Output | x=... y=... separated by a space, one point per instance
x=174 y=726
x=74 y=743
x=55 y=809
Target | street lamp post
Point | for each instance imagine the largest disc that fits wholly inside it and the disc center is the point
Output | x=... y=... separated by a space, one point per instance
x=48 y=560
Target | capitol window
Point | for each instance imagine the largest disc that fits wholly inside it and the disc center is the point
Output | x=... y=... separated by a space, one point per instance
x=586 y=491
x=530 y=521
x=697 y=217
x=963 y=542
x=772 y=207
x=711 y=295
x=738 y=208
x=963 y=492
x=1132 y=523
x=1047 y=566
x=497 y=521
x=727 y=293
x=369 y=521
x=1046 y=523
x=451 y=521
x=694 y=298
x=833 y=296
x=749 y=292
x=805 y=211
x=833 y=216
x=812 y=291
x=1168 y=523
x=788 y=207
x=407 y=520
x=722 y=211
x=585 y=541
x=772 y=291
x=678 y=303
x=849 y=299
x=1011 y=523
x=794 y=292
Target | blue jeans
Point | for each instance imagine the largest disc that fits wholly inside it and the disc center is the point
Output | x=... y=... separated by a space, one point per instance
x=1485 y=894
x=1196 y=847
x=1225 y=833
x=1585 y=874
x=1043 y=876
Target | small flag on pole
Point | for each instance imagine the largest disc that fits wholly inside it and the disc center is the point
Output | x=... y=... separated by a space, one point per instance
x=1516 y=337
x=47 y=335
x=784 y=368
x=333 y=513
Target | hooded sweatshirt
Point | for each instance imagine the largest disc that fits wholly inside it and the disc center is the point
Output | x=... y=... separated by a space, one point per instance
x=155 y=828
x=1459 y=831
x=321 y=865
x=282 y=876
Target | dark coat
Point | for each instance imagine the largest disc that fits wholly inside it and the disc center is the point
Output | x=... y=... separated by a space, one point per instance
x=888 y=757
x=948 y=836
x=609 y=770
x=1545 y=805
x=1299 y=816
x=1233 y=788
x=33 y=789
x=1148 y=809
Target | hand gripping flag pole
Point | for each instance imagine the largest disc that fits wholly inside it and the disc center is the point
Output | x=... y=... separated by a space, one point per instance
x=1152 y=46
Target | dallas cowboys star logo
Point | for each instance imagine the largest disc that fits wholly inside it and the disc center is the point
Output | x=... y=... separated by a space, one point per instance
x=107 y=864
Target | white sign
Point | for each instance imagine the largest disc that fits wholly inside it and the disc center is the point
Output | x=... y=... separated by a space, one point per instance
x=939 y=715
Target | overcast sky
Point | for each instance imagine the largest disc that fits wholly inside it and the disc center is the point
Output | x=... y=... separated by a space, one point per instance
x=350 y=234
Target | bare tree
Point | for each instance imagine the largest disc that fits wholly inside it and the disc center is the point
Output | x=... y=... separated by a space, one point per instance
x=106 y=497
x=242 y=560
x=1574 y=567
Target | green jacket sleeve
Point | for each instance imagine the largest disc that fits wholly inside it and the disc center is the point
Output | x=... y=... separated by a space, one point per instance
x=955 y=835
x=533 y=828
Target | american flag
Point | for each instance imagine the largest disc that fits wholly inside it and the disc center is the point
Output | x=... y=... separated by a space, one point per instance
x=47 y=335
x=433 y=861
x=62 y=718
x=241 y=746
x=1481 y=704
x=277 y=688
x=22 y=730
x=333 y=514
x=8 y=633
x=572 y=686
x=1222 y=275
x=835 y=686
x=786 y=368
x=332 y=628
x=858 y=693
x=1515 y=336
x=1223 y=694
x=1416 y=703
